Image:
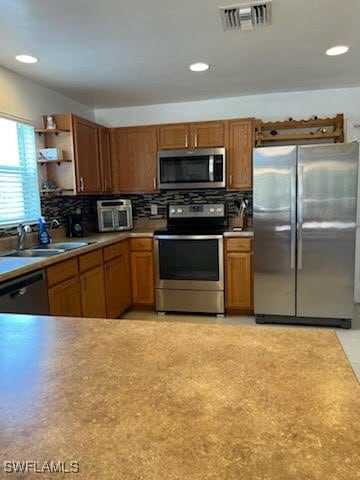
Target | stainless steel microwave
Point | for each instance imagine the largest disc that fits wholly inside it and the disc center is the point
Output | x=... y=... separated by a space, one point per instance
x=114 y=215
x=199 y=168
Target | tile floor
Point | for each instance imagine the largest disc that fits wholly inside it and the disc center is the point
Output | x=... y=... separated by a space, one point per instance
x=349 y=339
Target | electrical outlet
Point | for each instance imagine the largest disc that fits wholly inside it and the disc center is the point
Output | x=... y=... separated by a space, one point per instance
x=154 y=209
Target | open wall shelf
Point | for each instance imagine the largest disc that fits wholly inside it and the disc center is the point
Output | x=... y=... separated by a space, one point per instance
x=289 y=131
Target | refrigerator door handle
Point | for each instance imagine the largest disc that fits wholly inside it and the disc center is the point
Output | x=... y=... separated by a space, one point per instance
x=293 y=219
x=300 y=216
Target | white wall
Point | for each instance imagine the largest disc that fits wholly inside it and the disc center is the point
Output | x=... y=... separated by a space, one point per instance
x=273 y=106
x=24 y=99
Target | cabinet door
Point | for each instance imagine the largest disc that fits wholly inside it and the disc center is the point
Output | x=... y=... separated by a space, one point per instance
x=105 y=159
x=239 y=281
x=240 y=143
x=86 y=156
x=174 y=136
x=142 y=273
x=133 y=154
x=118 y=285
x=65 y=298
x=92 y=293
x=208 y=134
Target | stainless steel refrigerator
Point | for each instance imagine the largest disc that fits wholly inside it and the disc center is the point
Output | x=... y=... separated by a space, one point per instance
x=304 y=207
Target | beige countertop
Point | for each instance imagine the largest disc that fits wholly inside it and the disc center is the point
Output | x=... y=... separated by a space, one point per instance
x=11 y=267
x=173 y=401
x=248 y=232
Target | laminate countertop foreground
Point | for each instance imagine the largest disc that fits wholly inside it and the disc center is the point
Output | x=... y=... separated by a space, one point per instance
x=133 y=400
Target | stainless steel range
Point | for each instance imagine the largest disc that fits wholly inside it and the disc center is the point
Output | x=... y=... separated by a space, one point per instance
x=189 y=259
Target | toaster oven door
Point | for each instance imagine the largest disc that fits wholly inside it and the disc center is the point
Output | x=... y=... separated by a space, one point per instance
x=123 y=218
x=106 y=220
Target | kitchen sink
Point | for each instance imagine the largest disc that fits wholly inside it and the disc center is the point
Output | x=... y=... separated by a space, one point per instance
x=47 y=250
x=38 y=252
x=63 y=245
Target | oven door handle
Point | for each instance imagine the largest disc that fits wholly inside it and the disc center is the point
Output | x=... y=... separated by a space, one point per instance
x=188 y=237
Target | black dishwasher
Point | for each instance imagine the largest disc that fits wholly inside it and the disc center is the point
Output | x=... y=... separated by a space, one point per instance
x=25 y=294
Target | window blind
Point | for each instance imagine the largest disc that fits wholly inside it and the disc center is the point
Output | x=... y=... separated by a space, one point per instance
x=19 y=190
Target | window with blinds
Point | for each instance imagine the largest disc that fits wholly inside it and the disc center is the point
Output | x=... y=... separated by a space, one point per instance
x=19 y=191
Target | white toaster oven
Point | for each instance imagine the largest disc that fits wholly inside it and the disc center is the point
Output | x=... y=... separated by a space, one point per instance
x=114 y=215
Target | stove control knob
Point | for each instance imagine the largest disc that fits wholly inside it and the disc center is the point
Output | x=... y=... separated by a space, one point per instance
x=180 y=211
x=172 y=210
x=219 y=210
x=212 y=210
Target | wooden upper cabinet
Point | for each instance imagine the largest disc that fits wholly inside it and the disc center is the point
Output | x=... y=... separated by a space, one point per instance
x=191 y=135
x=173 y=137
x=88 y=176
x=133 y=155
x=105 y=159
x=239 y=145
x=208 y=134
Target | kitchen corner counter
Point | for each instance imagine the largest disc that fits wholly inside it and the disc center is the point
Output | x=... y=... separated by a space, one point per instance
x=166 y=400
x=12 y=267
x=242 y=233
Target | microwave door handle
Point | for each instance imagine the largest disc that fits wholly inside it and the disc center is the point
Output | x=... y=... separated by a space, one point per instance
x=211 y=168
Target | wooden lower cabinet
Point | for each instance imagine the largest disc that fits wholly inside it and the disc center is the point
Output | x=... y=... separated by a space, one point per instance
x=65 y=298
x=142 y=271
x=92 y=293
x=105 y=282
x=117 y=278
x=239 y=275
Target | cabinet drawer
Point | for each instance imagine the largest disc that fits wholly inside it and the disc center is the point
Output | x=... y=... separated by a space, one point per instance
x=113 y=251
x=239 y=244
x=61 y=271
x=141 y=244
x=90 y=260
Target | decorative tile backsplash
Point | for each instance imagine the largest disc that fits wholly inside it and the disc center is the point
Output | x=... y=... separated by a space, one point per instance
x=141 y=203
x=61 y=207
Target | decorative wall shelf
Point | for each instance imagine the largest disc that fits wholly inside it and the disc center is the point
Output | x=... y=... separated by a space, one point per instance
x=51 y=162
x=55 y=190
x=56 y=131
x=314 y=129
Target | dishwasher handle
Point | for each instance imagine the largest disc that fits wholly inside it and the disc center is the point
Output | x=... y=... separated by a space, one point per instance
x=19 y=287
x=22 y=291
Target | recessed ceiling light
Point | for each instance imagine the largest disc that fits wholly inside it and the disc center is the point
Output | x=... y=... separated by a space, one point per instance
x=337 y=50
x=199 y=67
x=26 y=59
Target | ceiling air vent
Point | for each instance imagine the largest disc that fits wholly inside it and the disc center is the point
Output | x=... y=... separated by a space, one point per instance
x=246 y=16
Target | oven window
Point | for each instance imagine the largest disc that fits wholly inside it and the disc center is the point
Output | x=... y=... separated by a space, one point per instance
x=185 y=169
x=123 y=218
x=189 y=260
x=107 y=217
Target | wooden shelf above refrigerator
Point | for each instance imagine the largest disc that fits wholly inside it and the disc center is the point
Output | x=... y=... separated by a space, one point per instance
x=314 y=129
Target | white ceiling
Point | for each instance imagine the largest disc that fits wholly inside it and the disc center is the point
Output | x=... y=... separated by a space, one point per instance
x=112 y=53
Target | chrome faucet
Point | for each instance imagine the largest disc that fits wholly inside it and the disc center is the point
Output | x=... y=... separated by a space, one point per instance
x=22 y=230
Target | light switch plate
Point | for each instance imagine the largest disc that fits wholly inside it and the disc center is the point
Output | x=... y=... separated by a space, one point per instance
x=154 y=209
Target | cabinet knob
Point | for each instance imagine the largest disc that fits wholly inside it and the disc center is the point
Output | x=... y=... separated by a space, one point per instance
x=154 y=182
x=186 y=141
x=196 y=140
x=81 y=182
